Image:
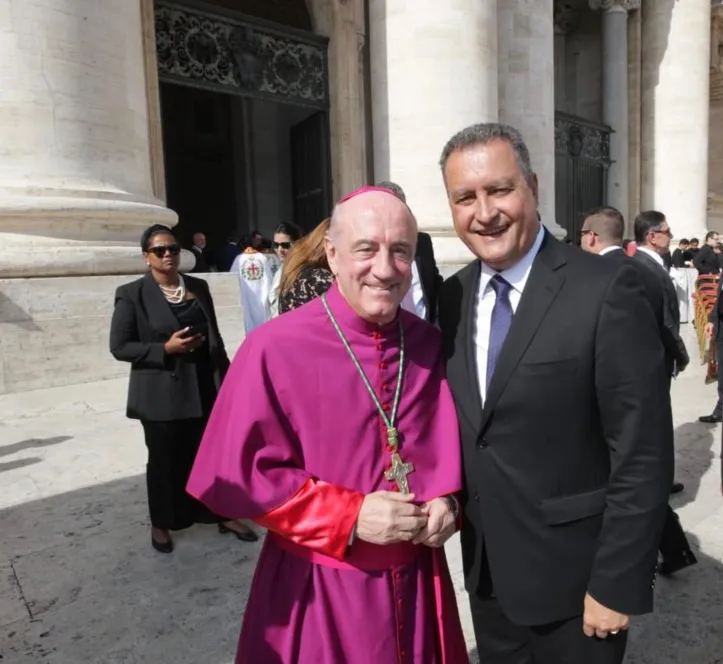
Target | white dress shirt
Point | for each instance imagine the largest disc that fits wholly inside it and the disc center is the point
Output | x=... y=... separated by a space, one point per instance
x=517 y=277
x=414 y=300
x=610 y=249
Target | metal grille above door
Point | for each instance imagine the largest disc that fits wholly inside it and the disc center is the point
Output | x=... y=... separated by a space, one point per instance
x=582 y=159
x=224 y=51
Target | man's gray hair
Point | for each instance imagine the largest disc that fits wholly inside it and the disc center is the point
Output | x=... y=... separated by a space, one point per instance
x=394 y=188
x=484 y=133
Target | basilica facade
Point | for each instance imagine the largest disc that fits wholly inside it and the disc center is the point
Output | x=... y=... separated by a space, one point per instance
x=234 y=115
x=231 y=115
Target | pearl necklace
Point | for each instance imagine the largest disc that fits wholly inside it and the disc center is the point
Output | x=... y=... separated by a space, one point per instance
x=174 y=295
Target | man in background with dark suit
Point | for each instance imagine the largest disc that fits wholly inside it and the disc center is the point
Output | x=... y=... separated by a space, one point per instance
x=557 y=370
x=706 y=260
x=602 y=234
x=426 y=280
x=678 y=258
x=201 y=253
x=653 y=235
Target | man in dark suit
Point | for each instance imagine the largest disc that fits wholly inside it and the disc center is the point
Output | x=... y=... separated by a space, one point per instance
x=202 y=254
x=678 y=257
x=652 y=236
x=602 y=234
x=706 y=260
x=227 y=254
x=557 y=370
x=426 y=280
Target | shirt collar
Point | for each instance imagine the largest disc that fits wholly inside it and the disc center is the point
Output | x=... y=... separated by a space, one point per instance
x=518 y=274
x=610 y=249
x=656 y=257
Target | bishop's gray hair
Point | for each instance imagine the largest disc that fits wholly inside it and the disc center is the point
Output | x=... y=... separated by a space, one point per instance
x=394 y=188
x=484 y=133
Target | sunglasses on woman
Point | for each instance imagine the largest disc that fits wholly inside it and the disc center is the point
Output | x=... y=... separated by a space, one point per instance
x=160 y=250
x=282 y=245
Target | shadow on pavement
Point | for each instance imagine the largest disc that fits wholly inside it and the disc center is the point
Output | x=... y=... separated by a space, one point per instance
x=686 y=626
x=694 y=444
x=31 y=444
x=82 y=584
x=82 y=566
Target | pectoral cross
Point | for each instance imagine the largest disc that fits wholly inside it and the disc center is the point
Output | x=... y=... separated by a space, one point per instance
x=398 y=472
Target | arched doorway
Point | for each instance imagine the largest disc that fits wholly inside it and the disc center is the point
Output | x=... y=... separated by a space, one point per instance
x=244 y=107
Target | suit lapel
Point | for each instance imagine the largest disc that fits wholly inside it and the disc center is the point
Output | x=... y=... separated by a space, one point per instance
x=157 y=307
x=541 y=289
x=465 y=365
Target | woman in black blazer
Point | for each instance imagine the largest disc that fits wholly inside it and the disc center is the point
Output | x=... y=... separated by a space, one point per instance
x=165 y=325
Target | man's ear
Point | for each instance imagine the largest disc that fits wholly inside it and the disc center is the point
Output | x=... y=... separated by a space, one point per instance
x=535 y=188
x=331 y=255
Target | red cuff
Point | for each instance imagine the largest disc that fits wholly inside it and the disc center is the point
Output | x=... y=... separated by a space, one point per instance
x=320 y=516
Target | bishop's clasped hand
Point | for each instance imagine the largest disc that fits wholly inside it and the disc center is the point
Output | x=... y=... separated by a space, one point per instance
x=389 y=517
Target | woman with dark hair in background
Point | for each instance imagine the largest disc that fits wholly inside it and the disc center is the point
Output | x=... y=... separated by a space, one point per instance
x=165 y=325
x=285 y=236
x=305 y=274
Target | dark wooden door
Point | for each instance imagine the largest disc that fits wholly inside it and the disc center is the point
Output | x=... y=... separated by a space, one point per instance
x=311 y=172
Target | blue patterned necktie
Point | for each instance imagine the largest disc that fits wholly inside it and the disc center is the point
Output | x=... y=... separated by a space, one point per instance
x=499 y=323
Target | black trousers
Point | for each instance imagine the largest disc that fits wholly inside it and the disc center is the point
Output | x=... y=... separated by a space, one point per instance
x=500 y=641
x=673 y=541
x=172 y=448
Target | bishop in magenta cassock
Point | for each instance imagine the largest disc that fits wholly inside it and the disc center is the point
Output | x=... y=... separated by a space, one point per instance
x=336 y=431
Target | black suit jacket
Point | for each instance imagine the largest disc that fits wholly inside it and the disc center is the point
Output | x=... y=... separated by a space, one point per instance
x=676 y=353
x=569 y=464
x=226 y=255
x=706 y=260
x=428 y=274
x=203 y=259
x=162 y=387
x=654 y=291
x=678 y=258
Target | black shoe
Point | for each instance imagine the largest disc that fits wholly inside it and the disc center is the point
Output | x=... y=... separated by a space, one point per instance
x=677 y=488
x=162 y=547
x=249 y=536
x=710 y=419
x=673 y=564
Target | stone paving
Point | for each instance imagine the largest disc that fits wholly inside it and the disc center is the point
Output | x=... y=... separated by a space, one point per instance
x=80 y=584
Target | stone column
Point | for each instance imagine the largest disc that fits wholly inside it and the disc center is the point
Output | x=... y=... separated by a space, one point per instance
x=343 y=23
x=615 y=94
x=76 y=187
x=675 y=109
x=527 y=88
x=635 y=51
x=434 y=72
